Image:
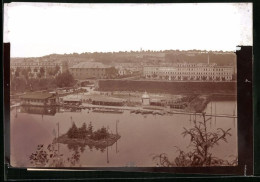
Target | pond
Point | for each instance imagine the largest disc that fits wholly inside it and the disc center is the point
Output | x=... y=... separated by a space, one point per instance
x=142 y=136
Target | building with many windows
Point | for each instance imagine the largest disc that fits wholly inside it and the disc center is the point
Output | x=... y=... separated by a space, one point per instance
x=34 y=67
x=190 y=72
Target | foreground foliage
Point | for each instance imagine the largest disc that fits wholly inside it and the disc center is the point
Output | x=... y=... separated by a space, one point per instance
x=201 y=141
x=49 y=156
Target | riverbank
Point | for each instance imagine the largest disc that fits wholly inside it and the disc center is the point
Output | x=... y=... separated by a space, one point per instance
x=172 y=87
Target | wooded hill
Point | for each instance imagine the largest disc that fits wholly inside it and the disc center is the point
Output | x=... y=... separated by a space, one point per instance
x=167 y=56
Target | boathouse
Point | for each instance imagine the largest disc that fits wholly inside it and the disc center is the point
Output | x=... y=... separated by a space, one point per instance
x=39 y=99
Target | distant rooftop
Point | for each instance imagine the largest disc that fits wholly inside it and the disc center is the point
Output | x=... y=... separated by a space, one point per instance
x=90 y=65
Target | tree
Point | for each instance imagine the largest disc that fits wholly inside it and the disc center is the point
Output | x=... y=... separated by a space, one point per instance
x=56 y=70
x=29 y=70
x=100 y=134
x=73 y=131
x=39 y=75
x=112 y=72
x=11 y=70
x=64 y=79
x=49 y=156
x=82 y=131
x=201 y=141
x=90 y=128
x=42 y=71
x=17 y=72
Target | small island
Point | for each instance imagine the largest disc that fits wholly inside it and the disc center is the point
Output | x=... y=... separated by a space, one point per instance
x=84 y=135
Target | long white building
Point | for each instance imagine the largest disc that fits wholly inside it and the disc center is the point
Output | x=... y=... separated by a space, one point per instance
x=190 y=72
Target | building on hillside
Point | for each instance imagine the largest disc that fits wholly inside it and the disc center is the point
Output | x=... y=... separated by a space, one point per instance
x=190 y=72
x=34 y=67
x=39 y=99
x=86 y=70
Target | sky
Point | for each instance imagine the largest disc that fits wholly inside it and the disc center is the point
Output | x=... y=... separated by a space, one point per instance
x=38 y=29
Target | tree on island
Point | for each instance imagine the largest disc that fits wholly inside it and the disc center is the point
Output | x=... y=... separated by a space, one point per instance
x=82 y=131
x=73 y=131
x=90 y=128
x=100 y=134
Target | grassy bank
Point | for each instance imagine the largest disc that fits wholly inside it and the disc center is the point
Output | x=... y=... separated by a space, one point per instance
x=169 y=87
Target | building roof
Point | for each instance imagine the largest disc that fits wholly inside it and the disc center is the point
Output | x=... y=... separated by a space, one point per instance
x=90 y=65
x=107 y=99
x=35 y=95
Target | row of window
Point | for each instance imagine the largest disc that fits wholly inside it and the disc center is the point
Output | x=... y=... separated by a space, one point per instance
x=32 y=67
x=35 y=64
x=35 y=100
x=183 y=77
x=191 y=73
x=190 y=69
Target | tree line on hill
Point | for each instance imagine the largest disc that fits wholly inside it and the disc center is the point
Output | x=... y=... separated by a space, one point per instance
x=24 y=79
x=173 y=56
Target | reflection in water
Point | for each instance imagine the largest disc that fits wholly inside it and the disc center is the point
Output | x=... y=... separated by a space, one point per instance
x=39 y=110
x=50 y=156
x=47 y=110
x=141 y=137
x=77 y=150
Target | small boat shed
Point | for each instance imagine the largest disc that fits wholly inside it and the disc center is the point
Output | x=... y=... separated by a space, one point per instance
x=39 y=99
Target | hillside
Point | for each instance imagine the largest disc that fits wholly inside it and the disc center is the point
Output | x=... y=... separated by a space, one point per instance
x=154 y=57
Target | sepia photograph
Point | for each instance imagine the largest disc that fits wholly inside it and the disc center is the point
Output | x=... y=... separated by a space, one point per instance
x=125 y=85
